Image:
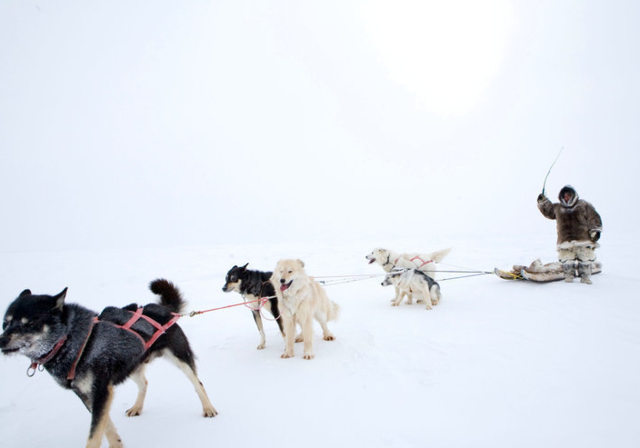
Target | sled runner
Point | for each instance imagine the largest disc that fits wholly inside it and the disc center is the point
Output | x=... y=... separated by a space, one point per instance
x=539 y=273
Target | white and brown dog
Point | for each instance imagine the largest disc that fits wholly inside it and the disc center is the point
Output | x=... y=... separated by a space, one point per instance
x=302 y=299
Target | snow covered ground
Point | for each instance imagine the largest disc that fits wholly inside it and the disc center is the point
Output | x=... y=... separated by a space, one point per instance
x=496 y=364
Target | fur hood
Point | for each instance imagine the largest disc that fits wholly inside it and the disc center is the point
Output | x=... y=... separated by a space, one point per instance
x=572 y=200
x=576 y=219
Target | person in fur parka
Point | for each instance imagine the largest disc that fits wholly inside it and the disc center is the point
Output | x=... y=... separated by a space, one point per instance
x=579 y=226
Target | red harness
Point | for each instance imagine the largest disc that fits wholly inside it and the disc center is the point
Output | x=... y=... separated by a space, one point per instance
x=39 y=363
x=413 y=260
x=160 y=329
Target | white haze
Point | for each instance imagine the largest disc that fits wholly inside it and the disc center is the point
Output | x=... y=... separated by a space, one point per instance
x=152 y=138
x=128 y=124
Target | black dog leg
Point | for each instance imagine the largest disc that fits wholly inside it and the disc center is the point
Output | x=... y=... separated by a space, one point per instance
x=258 y=319
x=101 y=423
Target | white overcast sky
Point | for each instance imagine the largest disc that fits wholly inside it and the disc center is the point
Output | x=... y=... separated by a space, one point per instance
x=156 y=122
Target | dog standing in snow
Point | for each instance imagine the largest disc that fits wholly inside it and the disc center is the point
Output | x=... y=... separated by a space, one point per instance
x=389 y=260
x=252 y=286
x=412 y=281
x=302 y=299
x=91 y=354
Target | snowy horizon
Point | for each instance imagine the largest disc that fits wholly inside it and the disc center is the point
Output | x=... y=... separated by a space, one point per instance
x=157 y=139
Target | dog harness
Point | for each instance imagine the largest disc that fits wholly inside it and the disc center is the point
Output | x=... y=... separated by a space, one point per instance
x=413 y=260
x=160 y=329
x=38 y=364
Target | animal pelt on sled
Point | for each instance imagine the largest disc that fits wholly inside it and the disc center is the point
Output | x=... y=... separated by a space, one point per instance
x=547 y=272
x=90 y=354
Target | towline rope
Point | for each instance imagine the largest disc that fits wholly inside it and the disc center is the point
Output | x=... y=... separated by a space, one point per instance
x=342 y=279
x=331 y=280
x=263 y=300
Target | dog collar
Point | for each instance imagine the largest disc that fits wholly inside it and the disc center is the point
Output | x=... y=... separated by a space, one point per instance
x=48 y=357
x=39 y=363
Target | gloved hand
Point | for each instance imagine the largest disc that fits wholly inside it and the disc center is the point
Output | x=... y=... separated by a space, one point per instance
x=594 y=235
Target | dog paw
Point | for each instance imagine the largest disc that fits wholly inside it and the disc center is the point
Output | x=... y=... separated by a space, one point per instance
x=261 y=347
x=299 y=338
x=395 y=304
x=329 y=337
x=134 y=412
x=209 y=412
x=286 y=355
x=309 y=356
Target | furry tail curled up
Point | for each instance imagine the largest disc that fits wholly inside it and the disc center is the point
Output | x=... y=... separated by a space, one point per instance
x=170 y=295
x=440 y=255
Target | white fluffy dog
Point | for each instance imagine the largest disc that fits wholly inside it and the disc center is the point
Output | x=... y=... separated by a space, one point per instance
x=412 y=281
x=389 y=260
x=302 y=299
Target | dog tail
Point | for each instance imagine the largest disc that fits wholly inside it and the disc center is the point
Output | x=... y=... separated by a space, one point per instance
x=435 y=294
x=170 y=295
x=334 y=311
x=438 y=256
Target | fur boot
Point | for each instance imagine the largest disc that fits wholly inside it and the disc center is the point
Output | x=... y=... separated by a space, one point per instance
x=569 y=269
x=584 y=270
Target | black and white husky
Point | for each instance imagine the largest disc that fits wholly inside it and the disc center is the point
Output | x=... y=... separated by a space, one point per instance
x=91 y=354
x=253 y=286
x=413 y=281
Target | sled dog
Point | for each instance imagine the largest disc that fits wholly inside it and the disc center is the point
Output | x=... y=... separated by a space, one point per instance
x=412 y=281
x=91 y=354
x=389 y=260
x=302 y=299
x=254 y=285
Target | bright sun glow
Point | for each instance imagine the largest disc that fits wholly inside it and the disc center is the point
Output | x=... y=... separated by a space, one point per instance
x=445 y=51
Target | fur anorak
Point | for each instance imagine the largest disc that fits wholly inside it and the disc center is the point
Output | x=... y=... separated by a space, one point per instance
x=576 y=219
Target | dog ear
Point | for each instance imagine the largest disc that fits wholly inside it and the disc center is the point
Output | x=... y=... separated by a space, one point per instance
x=60 y=299
x=26 y=292
x=245 y=266
x=301 y=263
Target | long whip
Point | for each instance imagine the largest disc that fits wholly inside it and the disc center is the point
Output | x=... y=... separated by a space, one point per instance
x=554 y=162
